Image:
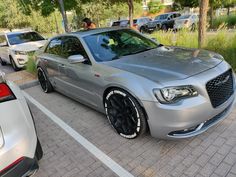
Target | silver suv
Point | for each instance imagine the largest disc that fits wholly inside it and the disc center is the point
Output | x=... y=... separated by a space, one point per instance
x=20 y=148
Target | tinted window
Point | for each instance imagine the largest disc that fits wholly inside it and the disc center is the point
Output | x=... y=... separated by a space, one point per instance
x=116 y=23
x=3 y=40
x=112 y=45
x=55 y=47
x=19 y=38
x=161 y=17
x=72 y=46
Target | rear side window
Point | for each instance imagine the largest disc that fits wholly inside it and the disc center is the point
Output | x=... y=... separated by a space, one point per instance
x=3 y=40
x=116 y=24
x=55 y=47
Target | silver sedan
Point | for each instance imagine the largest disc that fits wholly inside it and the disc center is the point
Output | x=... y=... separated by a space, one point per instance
x=138 y=83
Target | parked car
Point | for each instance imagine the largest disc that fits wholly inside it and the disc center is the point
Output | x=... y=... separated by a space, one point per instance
x=139 y=23
x=20 y=148
x=138 y=83
x=15 y=47
x=165 y=21
x=186 y=21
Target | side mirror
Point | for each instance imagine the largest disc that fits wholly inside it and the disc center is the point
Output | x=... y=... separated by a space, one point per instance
x=168 y=18
x=76 y=59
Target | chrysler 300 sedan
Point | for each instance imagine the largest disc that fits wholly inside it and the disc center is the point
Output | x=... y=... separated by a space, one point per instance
x=139 y=84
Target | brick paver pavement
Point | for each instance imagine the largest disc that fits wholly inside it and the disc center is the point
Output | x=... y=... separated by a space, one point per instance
x=63 y=156
x=212 y=153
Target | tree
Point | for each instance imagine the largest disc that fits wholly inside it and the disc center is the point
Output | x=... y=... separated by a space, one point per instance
x=228 y=4
x=155 y=6
x=47 y=7
x=202 y=22
x=187 y=3
x=214 y=4
x=130 y=4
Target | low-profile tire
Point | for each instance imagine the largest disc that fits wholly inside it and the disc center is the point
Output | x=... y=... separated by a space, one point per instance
x=13 y=64
x=3 y=63
x=39 y=151
x=125 y=114
x=44 y=82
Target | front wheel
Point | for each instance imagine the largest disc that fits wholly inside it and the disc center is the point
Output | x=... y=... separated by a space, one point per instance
x=14 y=66
x=44 y=82
x=3 y=63
x=125 y=114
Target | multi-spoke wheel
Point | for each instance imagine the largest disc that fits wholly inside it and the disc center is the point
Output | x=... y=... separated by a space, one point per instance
x=125 y=114
x=44 y=82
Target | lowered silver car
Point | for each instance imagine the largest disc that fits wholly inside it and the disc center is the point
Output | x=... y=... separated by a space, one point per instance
x=138 y=83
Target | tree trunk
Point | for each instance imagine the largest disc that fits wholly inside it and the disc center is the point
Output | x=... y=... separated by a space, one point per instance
x=64 y=16
x=228 y=11
x=55 y=17
x=131 y=12
x=202 y=22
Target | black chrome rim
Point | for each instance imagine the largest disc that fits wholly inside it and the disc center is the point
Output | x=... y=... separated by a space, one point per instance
x=122 y=114
x=42 y=80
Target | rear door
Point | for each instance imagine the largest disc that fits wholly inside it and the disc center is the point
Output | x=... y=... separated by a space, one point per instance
x=4 y=48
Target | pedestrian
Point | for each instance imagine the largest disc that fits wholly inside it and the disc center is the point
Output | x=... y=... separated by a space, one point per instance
x=88 y=24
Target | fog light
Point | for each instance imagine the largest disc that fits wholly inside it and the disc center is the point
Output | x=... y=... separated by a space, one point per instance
x=21 y=61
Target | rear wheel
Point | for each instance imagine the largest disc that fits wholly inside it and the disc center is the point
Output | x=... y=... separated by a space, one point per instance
x=44 y=82
x=164 y=28
x=3 y=63
x=14 y=66
x=125 y=114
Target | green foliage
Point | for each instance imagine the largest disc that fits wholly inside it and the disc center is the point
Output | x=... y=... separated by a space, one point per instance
x=31 y=65
x=222 y=42
x=229 y=21
x=155 y=6
x=229 y=3
x=187 y=3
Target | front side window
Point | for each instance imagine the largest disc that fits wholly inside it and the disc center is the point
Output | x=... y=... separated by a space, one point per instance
x=19 y=38
x=55 y=47
x=112 y=45
x=72 y=46
x=3 y=40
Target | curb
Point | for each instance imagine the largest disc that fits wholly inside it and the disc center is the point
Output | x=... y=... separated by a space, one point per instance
x=29 y=84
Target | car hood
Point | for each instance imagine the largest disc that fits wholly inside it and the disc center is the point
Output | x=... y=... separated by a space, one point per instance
x=168 y=64
x=29 y=46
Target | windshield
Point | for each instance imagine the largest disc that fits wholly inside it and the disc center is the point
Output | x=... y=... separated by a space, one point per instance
x=19 y=38
x=161 y=17
x=112 y=45
x=184 y=17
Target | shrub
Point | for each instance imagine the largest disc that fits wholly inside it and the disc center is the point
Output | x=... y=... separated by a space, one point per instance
x=222 y=42
x=31 y=65
x=230 y=21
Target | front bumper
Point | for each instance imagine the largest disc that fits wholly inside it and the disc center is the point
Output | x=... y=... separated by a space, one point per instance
x=171 y=122
x=26 y=167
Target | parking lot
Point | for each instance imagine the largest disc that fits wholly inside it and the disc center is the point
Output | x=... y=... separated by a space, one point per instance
x=213 y=153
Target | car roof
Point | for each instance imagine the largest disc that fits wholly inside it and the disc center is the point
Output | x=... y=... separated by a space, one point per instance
x=15 y=32
x=83 y=33
x=169 y=13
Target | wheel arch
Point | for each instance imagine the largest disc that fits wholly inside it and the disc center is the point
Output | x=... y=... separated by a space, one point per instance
x=107 y=90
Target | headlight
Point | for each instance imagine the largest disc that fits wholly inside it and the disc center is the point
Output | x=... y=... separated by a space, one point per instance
x=20 y=52
x=174 y=94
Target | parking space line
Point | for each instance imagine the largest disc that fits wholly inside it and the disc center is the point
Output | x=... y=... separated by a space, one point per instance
x=115 y=167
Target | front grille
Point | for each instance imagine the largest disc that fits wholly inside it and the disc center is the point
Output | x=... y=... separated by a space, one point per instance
x=220 y=88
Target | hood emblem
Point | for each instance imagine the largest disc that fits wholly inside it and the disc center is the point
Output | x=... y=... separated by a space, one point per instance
x=219 y=83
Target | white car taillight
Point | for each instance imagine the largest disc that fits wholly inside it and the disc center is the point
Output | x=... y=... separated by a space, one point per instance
x=1 y=138
x=5 y=93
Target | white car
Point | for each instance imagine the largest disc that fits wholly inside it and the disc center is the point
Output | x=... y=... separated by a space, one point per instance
x=189 y=21
x=15 y=47
x=20 y=148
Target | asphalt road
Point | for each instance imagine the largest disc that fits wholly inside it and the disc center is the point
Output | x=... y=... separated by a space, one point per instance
x=6 y=69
